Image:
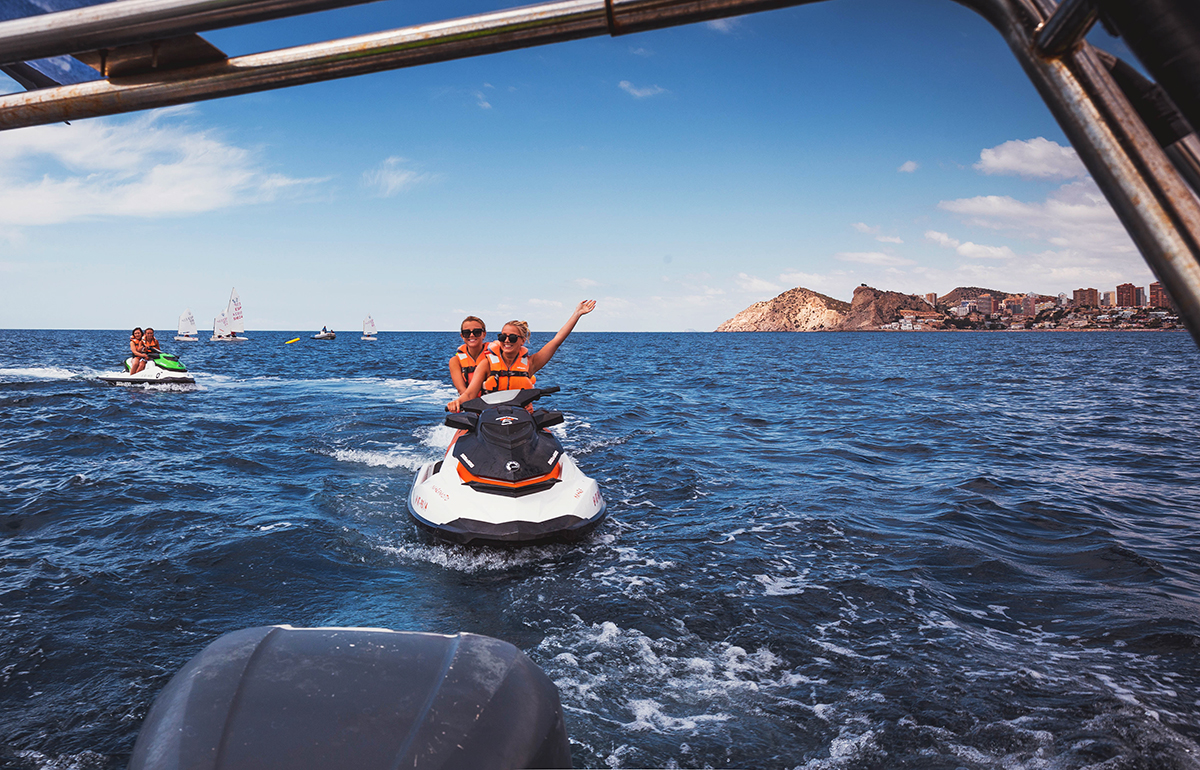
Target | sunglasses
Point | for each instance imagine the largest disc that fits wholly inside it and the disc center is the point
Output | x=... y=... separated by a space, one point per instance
x=471 y=333
x=508 y=337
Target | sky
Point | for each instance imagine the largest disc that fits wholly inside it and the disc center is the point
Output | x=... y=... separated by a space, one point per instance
x=676 y=176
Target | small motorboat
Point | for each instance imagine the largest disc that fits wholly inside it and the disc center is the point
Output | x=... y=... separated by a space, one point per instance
x=161 y=369
x=505 y=479
x=324 y=334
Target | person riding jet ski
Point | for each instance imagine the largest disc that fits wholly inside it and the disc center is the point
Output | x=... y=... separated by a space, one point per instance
x=508 y=364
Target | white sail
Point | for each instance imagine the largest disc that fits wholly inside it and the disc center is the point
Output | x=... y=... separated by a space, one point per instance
x=187 y=323
x=369 y=326
x=234 y=313
x=221 y=326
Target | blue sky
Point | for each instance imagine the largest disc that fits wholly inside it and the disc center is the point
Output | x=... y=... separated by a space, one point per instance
x=676 y=176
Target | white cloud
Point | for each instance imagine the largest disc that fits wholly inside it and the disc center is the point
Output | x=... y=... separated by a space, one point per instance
x=754 y=285
x=1074 y=216
x=545 y=303
x=724 y=26
x=1040 y=158
x=390 y=177
x=908 y=166
x=863 y=227
x=941 y=239
x=969 y=249
x=147 y=167
x=876 y=258
x=481 y=100
x=641 y=51
x=640 y=93
x=586 y=283
x=979 y=251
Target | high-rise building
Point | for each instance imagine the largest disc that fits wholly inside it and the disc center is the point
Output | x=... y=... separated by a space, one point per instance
x=1108 y=299
x=931 y=298
x=1087 y=298
x=1159 y=296
x=1029 y=304
x=985 y=304
x=1140 y=296
x=1127 y=295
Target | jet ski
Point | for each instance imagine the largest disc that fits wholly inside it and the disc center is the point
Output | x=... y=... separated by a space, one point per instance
x=505 y=479
x=161 y=369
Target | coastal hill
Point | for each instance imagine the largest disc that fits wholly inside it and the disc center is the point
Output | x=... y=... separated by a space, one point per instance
x=872 y=308
x=970 y=292
x=803 y=310
x=796 y=310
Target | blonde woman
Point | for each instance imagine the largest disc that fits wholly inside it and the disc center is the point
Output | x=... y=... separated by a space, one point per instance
x=508 y=364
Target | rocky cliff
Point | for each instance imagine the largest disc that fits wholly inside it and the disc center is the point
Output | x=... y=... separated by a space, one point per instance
x=872 y=308
x=796 y=310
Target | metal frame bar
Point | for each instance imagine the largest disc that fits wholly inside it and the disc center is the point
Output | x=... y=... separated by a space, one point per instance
x=1145 y=190
x=126 y=22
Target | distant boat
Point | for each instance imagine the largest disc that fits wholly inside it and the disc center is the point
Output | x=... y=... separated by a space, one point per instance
x=369 y=329
x=187 y=328
x=229 y=325
x=324 y=334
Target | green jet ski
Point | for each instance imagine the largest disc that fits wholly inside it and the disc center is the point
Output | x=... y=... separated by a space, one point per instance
x=161 y=369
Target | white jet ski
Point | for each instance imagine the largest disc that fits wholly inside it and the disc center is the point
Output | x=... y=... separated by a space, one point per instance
x=505 y=479
x=161 y=369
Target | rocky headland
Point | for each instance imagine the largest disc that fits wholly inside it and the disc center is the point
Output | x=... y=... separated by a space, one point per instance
x=964 y=308
x=803 y=310
x=796 y=310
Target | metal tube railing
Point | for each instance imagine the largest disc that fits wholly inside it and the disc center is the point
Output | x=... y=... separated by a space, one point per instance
x=1157 y=208
x=126 y=22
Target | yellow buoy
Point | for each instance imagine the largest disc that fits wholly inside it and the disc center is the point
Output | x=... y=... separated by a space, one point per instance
x=289 y=342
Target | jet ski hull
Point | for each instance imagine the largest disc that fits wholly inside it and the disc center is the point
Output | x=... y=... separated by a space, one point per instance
x=152 y=374
x=445 y=508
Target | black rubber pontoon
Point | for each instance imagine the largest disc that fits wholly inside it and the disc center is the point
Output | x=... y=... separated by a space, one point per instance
x=277 y=697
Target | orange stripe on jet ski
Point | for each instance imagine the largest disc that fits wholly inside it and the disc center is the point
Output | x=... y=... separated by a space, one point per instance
x=468 y=477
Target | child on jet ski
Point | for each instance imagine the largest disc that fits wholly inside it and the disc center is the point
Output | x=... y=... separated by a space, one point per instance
x=470 y=353
x=508 y=364
x=149 y=343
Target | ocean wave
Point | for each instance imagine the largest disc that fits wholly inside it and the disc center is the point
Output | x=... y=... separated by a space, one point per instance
x=35 y=373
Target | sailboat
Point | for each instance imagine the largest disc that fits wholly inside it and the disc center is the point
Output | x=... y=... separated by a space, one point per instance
x=369 y=329
x=229 y=325
x=187 y=328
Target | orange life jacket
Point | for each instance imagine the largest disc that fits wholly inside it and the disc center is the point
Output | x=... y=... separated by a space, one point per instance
x=503 y=378
x=467 y=363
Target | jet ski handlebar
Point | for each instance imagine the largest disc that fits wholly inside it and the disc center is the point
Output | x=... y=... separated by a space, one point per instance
x=520 y=398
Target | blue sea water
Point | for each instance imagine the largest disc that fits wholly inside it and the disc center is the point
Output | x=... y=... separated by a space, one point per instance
x=955 y=550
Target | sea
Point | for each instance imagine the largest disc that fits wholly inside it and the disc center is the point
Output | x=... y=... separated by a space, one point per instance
x=828 y=550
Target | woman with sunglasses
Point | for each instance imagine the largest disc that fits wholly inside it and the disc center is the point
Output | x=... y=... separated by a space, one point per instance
x=473 y=349
x=508 y=364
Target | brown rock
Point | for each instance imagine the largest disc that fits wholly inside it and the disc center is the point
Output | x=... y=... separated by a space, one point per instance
x=796 y=310
x=873 y=308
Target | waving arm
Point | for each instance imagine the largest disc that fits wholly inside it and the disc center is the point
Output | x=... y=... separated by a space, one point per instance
x=543 y=356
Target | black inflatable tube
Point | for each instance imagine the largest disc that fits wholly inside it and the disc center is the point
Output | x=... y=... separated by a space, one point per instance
x=1165 y=35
